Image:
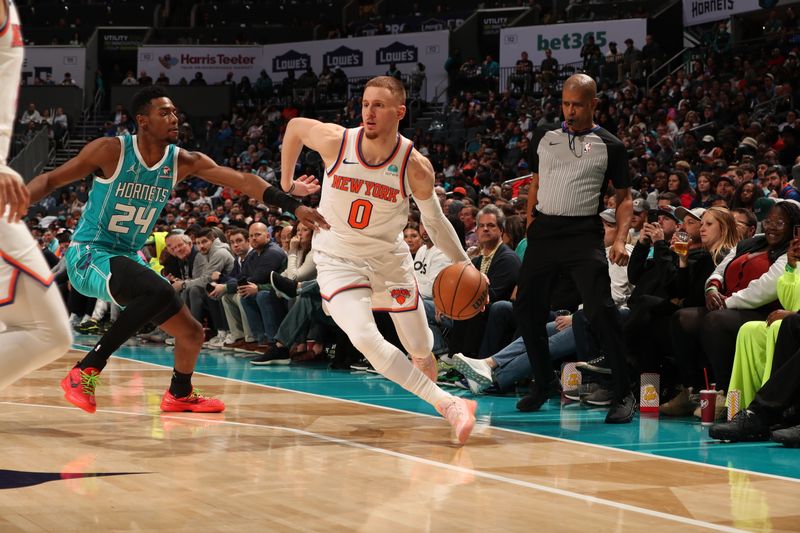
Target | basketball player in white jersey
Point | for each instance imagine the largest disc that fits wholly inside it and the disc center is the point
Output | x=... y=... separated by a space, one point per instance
x=34 y=328
x=363 y=263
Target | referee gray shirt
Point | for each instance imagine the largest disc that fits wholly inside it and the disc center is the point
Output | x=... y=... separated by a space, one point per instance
x=574 y=170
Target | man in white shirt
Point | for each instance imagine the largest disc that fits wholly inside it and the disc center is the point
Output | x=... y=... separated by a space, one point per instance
x=30 y=115
x=428 y=262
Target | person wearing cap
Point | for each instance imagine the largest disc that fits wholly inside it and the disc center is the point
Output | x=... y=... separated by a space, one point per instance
x=639 y=217
x=575 y=162
x=459 y=193
x=713 y=233
x=710 y=151
x=742 y=288
x=748 y=146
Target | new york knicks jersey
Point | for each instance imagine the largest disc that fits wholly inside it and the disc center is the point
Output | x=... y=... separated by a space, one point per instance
x=122 y=209
x=365 y=205
x=11 y=56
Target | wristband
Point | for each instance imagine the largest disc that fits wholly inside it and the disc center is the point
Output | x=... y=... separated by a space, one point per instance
x=291 y=189
x=274 y=196
x=789 y=268
x=712 y=288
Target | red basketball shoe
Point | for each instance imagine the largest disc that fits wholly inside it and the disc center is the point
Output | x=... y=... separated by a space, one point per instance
x=79 y=386
x=195 y=402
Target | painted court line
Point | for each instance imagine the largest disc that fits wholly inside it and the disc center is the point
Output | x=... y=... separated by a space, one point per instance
x=515 y=431
x=412 y=458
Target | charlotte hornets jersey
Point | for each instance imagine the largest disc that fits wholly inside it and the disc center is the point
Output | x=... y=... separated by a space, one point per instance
x=11 y=56
x=122 y=209
x=365 y=205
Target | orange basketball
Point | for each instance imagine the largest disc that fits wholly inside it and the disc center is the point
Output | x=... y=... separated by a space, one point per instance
x=459 y=291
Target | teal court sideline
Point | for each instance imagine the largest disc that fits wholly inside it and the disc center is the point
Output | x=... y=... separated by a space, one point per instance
x=683 y=439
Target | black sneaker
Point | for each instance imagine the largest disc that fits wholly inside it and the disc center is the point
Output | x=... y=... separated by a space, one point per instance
x=283 y=286
x=534 y=400
x=598 y=395
x=598 y=365
x=789 y=437
x=362 y=365
x=622 y=411
x=89 y=327
x=745 y=426
x=276 y=355
x=573 y=394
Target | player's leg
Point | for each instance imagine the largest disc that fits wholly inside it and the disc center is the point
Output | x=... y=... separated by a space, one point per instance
x=35 y=326
x=417 y=338
x=352 y=311
x=146 y=297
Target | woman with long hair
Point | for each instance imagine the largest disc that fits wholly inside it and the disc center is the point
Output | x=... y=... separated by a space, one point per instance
x=514 y=232
x=745 y=195
x=412 y=236
x=678 y=184
x=742 y=288
x=718 y=233
x=703 y=191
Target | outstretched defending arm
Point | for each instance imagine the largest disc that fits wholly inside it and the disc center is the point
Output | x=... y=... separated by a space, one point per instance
x=421 y=179
x=100 y=154
x=199 y=164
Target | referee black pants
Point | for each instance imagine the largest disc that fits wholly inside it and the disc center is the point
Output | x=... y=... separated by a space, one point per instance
x=782 y=389
x=574 y=245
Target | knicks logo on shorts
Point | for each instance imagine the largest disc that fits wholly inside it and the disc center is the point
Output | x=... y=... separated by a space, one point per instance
x=400 y=295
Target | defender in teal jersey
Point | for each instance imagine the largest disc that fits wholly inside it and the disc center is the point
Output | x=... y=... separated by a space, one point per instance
x=138 y=174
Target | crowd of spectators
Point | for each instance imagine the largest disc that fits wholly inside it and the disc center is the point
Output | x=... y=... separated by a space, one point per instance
x=713 y=159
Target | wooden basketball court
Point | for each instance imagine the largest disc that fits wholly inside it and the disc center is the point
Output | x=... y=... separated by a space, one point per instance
x=278 y=460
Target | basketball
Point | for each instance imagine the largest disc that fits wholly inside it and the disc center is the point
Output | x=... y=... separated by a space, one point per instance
x=459 y=291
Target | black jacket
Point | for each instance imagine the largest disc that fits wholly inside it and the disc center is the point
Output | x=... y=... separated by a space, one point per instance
x=503 y=273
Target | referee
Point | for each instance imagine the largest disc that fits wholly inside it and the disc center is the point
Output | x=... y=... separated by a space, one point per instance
x=571 y=166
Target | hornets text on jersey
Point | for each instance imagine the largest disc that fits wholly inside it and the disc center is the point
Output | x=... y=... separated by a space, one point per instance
x=123 y=208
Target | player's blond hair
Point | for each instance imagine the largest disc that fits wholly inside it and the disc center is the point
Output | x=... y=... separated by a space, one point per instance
x=394 y=85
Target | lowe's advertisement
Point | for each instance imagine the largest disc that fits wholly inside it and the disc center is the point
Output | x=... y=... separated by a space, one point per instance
x=361 y=56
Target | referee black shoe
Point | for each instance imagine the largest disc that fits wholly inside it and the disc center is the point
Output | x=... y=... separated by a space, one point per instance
x=534 y=400
x=622 y=411
x=598 y=365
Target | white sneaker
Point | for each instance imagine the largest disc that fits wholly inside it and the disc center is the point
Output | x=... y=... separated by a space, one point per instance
x=170 y=341
x=476 y=370
x=217 y=341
